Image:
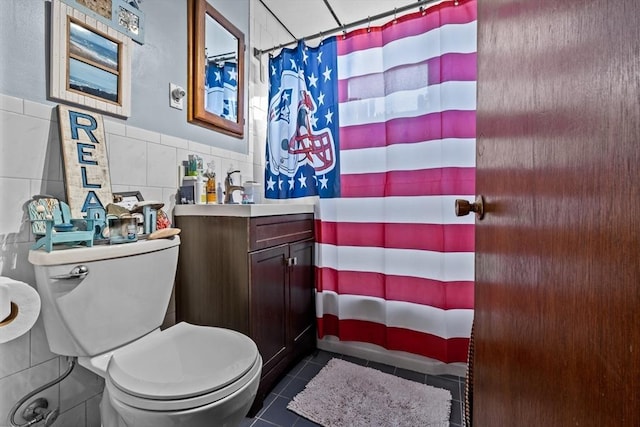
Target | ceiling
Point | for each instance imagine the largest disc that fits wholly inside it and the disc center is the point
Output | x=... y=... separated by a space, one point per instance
x=304 y=18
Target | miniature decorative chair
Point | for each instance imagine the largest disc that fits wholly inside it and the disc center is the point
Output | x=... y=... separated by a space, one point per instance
x=51 y=223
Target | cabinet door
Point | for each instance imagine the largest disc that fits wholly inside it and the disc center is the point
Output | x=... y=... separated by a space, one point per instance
x=269 y=303
x=301 y=294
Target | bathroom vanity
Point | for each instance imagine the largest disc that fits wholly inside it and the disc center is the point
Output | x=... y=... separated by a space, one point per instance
x=250 y=268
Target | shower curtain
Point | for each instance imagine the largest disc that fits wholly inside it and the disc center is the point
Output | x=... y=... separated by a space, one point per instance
x=379 y=124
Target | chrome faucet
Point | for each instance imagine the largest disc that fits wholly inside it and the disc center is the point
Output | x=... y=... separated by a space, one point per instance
x=230 y=187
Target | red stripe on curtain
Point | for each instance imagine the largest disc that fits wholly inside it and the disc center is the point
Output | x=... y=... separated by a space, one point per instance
x=429 y=127
x=450 y=350
x=426 y=182
x=448 y=67
x=436 y=16
x=428 y=237
x=435 y=293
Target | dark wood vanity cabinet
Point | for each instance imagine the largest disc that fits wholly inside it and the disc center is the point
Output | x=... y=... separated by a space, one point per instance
x=254 y=275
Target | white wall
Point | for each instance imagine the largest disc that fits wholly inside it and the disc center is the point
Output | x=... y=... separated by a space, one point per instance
x=143 y=152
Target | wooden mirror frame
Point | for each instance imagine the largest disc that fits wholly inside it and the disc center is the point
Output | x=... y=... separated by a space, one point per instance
x=197 y=11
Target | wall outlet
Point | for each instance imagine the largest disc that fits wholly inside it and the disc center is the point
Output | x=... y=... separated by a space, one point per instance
x=176 y=96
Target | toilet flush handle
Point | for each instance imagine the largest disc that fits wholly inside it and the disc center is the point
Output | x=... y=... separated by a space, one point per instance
x=77 y=272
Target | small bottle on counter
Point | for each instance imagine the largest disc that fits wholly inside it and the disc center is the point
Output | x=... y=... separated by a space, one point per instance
x=201 y=190
x=220 y=194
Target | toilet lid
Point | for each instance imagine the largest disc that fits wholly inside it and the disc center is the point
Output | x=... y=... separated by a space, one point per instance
x=181 y=362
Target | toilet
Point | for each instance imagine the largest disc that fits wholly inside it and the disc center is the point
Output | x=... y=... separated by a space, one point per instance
x=105 y=304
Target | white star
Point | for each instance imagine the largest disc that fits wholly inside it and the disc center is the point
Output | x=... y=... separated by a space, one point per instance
x=303 y=180
x=328 y=116
x=320 y=58
x=313 y=80
x=273 y=70
x=292 y=183
x=327 y=74
x=313 y=120
x=304 y=56
x=293 y=64
x=321 y=99
x=233 y=75
x=323 y=182
x=217 y=74
x=270 y=184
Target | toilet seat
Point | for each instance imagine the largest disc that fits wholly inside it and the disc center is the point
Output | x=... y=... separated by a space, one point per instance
x=182 y=367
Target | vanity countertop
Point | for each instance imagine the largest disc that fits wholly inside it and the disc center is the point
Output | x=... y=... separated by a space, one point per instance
x=251 y=210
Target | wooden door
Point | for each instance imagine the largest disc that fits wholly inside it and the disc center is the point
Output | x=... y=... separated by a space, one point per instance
x=557 y=320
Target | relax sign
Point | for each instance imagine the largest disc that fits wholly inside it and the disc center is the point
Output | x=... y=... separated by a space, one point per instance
x=86 y=168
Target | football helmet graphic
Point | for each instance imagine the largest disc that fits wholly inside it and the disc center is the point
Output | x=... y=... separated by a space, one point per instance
x=292 y=141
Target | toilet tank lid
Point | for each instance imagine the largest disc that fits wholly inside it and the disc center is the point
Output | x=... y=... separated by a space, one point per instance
x=182 y=361
x=100 y=252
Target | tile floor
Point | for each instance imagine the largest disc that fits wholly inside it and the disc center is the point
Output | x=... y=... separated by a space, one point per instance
x=275 y=412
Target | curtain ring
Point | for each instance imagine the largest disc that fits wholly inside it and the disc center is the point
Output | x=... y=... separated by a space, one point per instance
x=423 y=10
x=344 y=33
x=395 y=16
x=368 y=24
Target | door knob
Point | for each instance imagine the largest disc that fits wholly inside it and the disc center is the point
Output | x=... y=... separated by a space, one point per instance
x=463 y=207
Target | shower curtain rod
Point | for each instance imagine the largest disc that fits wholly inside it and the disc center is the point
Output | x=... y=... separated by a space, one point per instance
x=419 y=4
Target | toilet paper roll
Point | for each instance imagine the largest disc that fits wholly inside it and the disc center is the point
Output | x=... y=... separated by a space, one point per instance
x=5 y=302
x=24 y=309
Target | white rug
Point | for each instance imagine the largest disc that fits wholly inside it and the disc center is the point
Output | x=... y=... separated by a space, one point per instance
x=344 y=394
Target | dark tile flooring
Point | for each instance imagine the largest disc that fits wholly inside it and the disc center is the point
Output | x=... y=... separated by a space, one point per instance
x=275 y=412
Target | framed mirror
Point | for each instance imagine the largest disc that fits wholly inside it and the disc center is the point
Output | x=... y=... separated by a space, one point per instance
x=215 y=70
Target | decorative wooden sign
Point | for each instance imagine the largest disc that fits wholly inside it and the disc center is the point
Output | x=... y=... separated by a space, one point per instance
x=86 y=167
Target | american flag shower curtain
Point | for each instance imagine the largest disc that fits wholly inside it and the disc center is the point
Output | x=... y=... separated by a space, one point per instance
x=380 y=124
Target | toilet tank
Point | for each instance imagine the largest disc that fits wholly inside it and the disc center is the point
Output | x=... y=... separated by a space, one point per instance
x=124 y=296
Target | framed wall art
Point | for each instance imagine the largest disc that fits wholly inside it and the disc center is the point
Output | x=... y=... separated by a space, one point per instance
x=121 y=15
x=90 y=62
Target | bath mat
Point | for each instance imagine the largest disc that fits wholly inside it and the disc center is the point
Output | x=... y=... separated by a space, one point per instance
x=344 y=394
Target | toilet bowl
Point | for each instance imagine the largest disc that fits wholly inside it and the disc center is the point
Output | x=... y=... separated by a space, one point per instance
x=104 y=305
x=183 y=376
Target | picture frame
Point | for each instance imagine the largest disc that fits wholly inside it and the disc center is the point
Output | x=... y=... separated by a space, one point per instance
x=127 y=199
x=90 y=62
x=121 y=15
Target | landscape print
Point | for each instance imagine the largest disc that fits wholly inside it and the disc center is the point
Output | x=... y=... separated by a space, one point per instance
x=93 y=63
